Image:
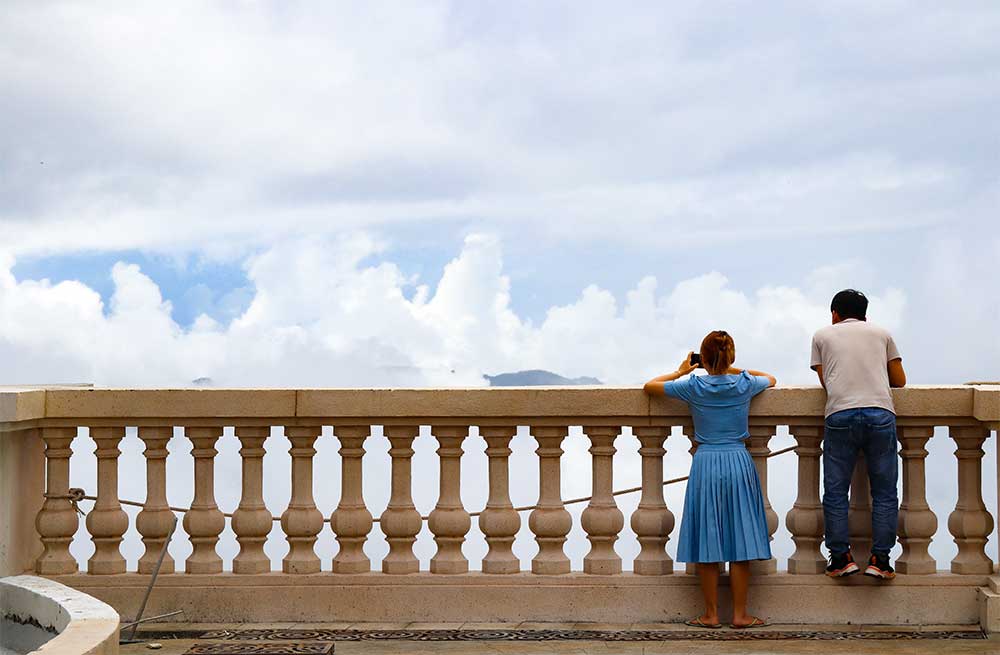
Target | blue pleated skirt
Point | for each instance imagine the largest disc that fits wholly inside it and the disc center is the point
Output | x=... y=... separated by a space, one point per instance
x=723 y=518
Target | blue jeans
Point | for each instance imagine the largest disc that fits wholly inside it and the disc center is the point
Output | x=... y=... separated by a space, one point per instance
x=870 y=430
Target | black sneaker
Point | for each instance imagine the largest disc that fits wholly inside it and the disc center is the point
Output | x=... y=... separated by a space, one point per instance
x=879 y=567
x=841 y=565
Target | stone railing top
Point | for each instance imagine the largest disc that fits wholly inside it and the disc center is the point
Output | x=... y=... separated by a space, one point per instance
x=26 y=406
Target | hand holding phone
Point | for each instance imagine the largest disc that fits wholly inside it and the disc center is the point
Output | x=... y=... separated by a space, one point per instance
x=696 y=359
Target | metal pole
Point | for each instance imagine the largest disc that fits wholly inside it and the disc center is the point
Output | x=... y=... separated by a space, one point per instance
x=152 y=579
x=153 y=618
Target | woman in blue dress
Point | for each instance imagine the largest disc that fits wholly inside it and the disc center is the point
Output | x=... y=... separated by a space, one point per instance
x=723 y=518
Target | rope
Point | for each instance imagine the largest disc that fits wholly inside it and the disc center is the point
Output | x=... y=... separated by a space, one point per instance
x=76 y=494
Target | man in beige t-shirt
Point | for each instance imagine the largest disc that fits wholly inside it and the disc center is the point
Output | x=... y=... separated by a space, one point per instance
x=857 y=363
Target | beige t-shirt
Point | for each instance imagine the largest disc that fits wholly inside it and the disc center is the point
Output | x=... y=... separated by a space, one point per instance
x=854 y=355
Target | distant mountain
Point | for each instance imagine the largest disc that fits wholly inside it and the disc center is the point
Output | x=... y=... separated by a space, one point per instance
x=535 y=378
x=203 y=382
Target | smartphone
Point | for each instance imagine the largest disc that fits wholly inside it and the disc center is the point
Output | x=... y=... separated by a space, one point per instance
x=696 y=359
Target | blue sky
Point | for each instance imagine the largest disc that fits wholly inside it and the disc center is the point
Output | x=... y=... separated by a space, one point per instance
x=541 y=276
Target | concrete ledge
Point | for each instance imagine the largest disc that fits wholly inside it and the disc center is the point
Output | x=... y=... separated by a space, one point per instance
x=986 y=403
x=21 y=404
x=21 y=408
x=169 y=403
x=475 y=597
x=85 y=625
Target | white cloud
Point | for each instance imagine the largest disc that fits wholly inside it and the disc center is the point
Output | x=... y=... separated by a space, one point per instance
x=321 y=315
x=227 y=128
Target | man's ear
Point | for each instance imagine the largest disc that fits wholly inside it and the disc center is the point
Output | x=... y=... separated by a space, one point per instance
x=835 y=316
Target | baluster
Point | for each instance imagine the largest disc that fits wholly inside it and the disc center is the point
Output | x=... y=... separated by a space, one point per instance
x=252 y=521
x=301 y=521
x=651 y=521
x=449 y=522
x=203 y=522
x=57 y=521
x=550 y=522
x=351 y=521
x=691 y=568
x=970 y=523
x=155 y=519
x=917 y=523
x=760 y=437
x=499 y=522
x=859 y=518
x=400 y=521
x=805 y=520
x=602 y=520
x=107 y=521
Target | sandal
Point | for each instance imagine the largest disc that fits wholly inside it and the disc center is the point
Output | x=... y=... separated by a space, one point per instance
x=754 y=623
x=698 y=623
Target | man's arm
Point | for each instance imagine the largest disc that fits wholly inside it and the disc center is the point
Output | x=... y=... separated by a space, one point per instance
x=819 y=371
x=816 y=360
x=897 y=376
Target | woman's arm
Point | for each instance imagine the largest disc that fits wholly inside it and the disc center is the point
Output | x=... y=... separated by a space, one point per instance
x=770 y=378
x=655 y=386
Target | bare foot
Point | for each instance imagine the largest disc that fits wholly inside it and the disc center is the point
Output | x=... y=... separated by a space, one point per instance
x=748 y=621
x=705 y=621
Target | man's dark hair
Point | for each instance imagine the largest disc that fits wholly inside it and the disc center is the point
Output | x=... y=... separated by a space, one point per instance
x=850 y=303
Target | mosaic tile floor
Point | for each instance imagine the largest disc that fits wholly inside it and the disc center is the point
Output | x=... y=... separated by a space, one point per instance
x=625 y=634
x=549 y=639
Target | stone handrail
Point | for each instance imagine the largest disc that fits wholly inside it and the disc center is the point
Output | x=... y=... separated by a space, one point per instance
x=35 y=419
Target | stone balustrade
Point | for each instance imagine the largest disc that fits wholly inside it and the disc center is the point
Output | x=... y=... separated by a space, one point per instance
x=38 y=428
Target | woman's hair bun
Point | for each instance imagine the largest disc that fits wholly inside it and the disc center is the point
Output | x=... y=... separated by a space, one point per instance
x=718 y=350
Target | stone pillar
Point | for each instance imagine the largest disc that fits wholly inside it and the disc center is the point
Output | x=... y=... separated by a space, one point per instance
x=805 y=520
x=107 y=521
x=550 y=522
x=652 y=521
x=400 y=521
x=989 y=596
x=351 y=521
x=301 y=521
x=449 y=522
x=155 y=521
x=602 y=520
x=689 y=567
x=970 y=523
x=204 y=522
x=22 y=494
x=917 y=523
x=499 y=522
x=757 y=445
x=252 y=521
x=859 y=518
x=57 y=521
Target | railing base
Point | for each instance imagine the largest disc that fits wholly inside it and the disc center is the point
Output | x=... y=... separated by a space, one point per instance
x=941 y=598
x=989 y=606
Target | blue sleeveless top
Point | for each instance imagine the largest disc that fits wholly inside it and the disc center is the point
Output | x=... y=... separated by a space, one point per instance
x=720 y=404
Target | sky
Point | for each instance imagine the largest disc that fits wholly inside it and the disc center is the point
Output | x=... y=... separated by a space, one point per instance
x=417 y=194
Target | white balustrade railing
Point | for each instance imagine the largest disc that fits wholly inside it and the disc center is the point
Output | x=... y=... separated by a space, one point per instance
x=968 y=412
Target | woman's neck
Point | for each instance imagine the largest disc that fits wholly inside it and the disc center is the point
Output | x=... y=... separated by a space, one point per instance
x=727 y=371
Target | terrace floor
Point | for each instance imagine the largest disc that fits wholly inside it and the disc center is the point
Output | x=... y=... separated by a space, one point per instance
x=552 y=638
